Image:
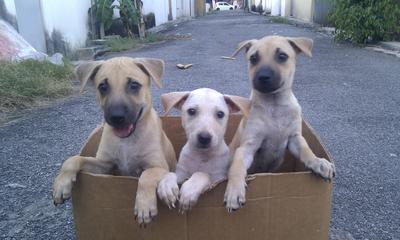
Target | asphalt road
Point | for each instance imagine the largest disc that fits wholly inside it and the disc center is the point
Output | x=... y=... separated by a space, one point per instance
x=350 y=96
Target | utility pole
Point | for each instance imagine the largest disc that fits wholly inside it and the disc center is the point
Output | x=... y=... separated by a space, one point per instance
x=170 y=11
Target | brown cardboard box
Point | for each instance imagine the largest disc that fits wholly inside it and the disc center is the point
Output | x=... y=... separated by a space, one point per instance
x=292 y=204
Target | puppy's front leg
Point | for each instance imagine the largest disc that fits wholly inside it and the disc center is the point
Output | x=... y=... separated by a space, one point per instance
x=191 y=190
x=146 y=197
x=168 y=190
x=235 y=193
x=299 y=148
x=63 y=183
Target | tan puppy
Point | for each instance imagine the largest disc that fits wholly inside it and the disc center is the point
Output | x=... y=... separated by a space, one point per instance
x=133 y=142
x=274 y=121
x=205 y=158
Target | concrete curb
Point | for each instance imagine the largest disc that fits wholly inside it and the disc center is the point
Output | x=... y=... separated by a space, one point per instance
x=391 y=48
x=378 y=48
x=329 y=31
x=168 y=25
x=394 y=46
x=95 y=51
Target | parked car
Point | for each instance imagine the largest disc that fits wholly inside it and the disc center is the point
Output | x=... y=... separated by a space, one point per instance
x=223 y=6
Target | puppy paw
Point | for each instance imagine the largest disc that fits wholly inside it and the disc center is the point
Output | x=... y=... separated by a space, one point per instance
x=235 y=194
x=145 y=209
x=323 y=168
x=188 y=197
x=62 y=186
x=168 y=190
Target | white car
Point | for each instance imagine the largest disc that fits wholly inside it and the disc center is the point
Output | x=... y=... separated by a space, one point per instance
x=223 y=6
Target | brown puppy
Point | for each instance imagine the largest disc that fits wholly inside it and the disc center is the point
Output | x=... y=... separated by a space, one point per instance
x=133 y=142
x=274 y=122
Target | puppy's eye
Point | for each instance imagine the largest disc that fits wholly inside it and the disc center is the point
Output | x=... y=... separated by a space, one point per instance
x=103 y=87
x=134 y=86
x=254 y=59
x=191 y=111
x=282 y=57
x=220 y=114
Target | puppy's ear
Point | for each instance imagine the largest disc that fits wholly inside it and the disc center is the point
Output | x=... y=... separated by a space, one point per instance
x=301 y=44
x=236 y=104
x=87 y=71
x=173 y=99
x=245 y=44
x=153 y=67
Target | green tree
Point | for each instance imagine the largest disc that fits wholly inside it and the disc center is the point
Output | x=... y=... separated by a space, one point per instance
x=129 y=11
x=363 y=20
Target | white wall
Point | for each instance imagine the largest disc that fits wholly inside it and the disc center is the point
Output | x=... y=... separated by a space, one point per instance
x=275 y=7
x=303 y=9
x=160 y=8
x=173 y=4
x=30 y=23
x=70 y=18
x=188 y=8
x=264 y=3
x=10 y=6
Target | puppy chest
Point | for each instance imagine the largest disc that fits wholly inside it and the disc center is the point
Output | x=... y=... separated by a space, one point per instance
x=214 y=166
x=128 y=161
x=274 y=145
x=209 y=165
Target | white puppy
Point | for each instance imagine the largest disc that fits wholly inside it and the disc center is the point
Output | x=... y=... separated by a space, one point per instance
x=205 y=158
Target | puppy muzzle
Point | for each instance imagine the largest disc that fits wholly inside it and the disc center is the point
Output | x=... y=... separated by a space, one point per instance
x=122 y=119
x=204 y=140
x=266 y=80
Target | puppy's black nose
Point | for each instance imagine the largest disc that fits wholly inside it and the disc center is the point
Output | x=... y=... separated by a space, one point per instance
x=117 y=115
x=265 y=75
x=266 y=80
x=204 y=139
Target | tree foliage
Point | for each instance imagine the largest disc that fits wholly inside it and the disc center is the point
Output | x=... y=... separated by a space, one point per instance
x=104 y=12
x=129 y=13
x=361 y=21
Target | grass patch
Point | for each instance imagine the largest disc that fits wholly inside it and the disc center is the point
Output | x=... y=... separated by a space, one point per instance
x=121 y=44
x=281 y=20
x=30 y=82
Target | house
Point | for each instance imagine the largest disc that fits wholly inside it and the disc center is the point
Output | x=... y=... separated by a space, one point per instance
x=307 y=10
x=63 y=26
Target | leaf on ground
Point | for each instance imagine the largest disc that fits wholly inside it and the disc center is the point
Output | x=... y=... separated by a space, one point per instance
x=228 y=58
x=183 y=66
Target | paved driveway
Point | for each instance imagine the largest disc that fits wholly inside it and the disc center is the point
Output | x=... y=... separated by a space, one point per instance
x=350 y=95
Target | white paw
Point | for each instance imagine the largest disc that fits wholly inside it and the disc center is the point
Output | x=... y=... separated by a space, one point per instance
x=188 y=197
x=235 y=194
x=145 y=209
x=62 y=186
x=168 y=190
x=323 y=168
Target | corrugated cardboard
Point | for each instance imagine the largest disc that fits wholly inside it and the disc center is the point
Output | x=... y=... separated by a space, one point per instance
x=290 y=204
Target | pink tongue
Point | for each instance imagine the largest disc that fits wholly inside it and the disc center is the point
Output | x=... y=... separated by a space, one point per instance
x=123 y=132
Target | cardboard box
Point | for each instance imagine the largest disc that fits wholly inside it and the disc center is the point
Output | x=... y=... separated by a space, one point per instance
x=290 y=204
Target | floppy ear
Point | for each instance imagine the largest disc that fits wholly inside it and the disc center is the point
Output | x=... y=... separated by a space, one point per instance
x=301 y=44
x=173 y=99
x=87 y=71
x=245 y=44
x=153 y=67
x=236 y=104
